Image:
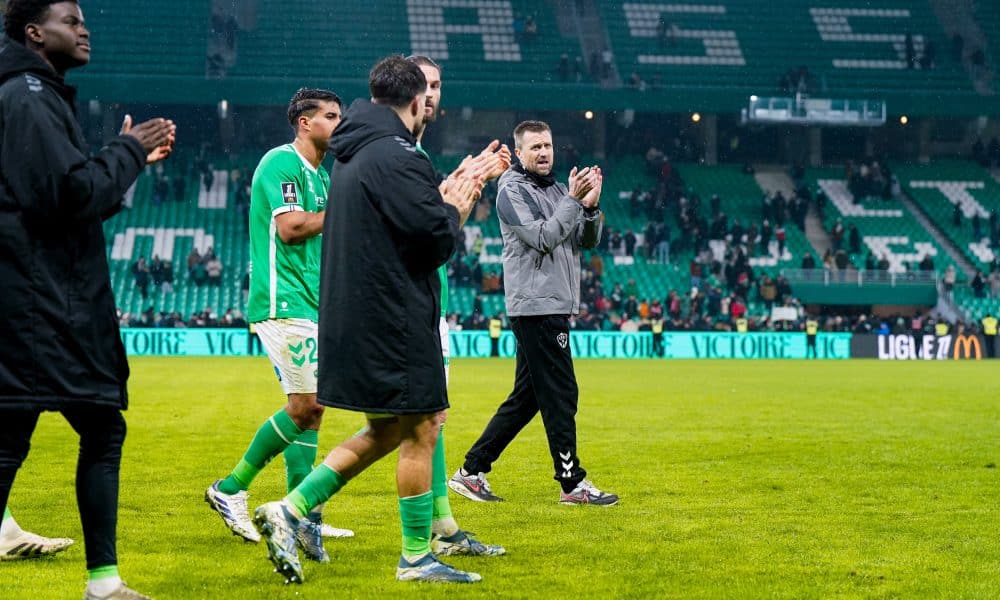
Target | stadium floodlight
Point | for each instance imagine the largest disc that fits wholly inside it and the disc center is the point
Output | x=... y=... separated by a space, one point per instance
x=803 y=110
x=696 y=117
x=223 y=109
x=588 y=115
x=903 y=120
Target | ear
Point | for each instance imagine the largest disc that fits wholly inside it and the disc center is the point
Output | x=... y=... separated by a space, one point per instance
x=416 y=105
x=517 y=153
x=33 y=33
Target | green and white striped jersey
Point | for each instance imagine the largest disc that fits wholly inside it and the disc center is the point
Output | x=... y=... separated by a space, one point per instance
x=284 y=278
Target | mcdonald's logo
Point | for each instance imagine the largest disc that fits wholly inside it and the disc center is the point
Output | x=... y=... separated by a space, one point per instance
x=967 y=347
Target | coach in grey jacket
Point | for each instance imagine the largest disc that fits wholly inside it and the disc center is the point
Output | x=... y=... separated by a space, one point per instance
x=544 y=225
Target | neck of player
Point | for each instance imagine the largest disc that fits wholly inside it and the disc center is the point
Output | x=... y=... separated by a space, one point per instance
x=309 y=150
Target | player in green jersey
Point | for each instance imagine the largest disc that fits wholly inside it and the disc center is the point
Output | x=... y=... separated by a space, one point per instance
x=447 y=537
x=287 y=204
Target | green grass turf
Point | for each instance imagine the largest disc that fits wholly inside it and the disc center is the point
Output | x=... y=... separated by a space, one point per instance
x=738 y=479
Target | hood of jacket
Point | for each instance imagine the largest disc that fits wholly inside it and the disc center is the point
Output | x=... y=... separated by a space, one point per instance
x=16 y=59
x=363 y=124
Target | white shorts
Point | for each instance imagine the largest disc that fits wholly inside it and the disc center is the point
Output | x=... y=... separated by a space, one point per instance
x=445 y=347
x=291 y=346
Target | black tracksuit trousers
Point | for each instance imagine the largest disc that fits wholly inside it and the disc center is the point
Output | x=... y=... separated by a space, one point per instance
x=544 y=382
x=102 y=433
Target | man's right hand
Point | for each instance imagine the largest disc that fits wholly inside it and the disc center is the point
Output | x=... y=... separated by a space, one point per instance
x=581 y=182
x=461 y=192
x=153 y=134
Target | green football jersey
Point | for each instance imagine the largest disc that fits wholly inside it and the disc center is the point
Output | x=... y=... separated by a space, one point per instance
x=284 y=278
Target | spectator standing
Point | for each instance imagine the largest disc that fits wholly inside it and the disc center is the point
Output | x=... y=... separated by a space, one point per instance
x=979 y=285
x=193 y=260
x=180 y=187
x=141 y=273
x=630 y=242
x=854 y=239
x=167 y=277
x=213 y=270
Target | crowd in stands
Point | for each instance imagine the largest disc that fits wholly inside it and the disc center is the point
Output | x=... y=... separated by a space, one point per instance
x=160 y=273
x=871 y=179
x=722 y=286
x=202 y=269
x=167 y=320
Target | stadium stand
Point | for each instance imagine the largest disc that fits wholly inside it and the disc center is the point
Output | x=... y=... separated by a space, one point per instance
x=939 y=187
x=852 y=49
x=141 y=33
x=714 y=55
x=886 y=227
x=169 y=230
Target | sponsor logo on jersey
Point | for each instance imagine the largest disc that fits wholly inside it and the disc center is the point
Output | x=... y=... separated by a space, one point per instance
x=288 y=192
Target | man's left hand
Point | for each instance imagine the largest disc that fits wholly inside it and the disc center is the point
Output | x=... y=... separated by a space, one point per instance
x=593 y=198
x=160 y=152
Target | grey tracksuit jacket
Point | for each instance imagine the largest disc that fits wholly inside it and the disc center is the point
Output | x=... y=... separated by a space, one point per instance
x=543 y=230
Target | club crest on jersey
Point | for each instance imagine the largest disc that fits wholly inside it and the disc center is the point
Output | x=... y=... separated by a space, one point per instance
x=288 y=192
x=563 y=340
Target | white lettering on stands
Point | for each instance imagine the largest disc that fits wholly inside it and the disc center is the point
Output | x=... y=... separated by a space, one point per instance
x=836 y=190
x=833 y=26
x=957 y=192
x=429 y=32
x=164 y=238
x=722 y=47
x=881 y=245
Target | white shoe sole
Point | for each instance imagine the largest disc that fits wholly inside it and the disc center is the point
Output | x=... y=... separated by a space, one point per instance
x=461 y=490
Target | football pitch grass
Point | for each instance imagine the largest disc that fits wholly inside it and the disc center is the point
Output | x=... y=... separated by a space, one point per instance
x=738 y=479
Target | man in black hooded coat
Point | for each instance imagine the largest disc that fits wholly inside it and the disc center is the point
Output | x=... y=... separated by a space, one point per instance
x=389 y=227
x=61 y=348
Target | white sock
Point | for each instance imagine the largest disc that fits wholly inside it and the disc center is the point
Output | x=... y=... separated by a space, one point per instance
x=9 y=528
x=104 y=586
x=445 y=527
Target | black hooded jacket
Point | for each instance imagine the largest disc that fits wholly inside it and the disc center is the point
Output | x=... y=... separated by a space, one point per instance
x=61 y=345
x=386 y=232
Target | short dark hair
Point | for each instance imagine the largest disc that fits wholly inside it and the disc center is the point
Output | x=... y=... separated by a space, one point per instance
x=396 y=81
x=308 y=99
x=21 y=12
x=532 y=126
x=422 y=60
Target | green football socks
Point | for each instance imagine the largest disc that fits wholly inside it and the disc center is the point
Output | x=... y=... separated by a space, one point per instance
x=444 y=523
x=317 y=487
x=103 y=572
x=416 y=513
x=300 y=456
x=274 y=435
